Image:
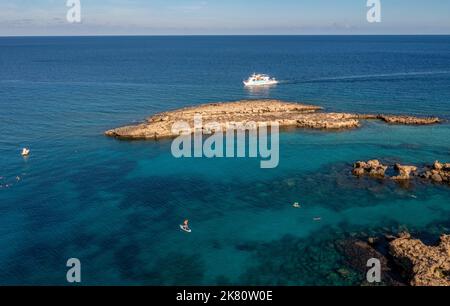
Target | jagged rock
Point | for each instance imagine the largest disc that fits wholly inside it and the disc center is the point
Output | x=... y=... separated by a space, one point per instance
x=359 y=171
x=360 y=164
x=378 y=172
x=424 y=265
x=438 y=166
x=372 y=168
x=373 y=163
x=440 y=172
x=436 y=177
x=404 y=172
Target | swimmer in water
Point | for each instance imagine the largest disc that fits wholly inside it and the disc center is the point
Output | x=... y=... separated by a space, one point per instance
x=25 y=152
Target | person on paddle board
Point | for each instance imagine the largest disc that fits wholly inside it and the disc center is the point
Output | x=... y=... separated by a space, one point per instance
x=186 y=225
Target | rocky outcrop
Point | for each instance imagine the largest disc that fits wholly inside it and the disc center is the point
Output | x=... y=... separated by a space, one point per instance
x=410 y=120
x=328 y=121
x=438 y=172
x=372 y=168
x=404 y=172
x=423 y=265
x=257 y=112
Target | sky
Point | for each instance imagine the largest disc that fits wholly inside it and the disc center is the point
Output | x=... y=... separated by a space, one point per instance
x=223 y=17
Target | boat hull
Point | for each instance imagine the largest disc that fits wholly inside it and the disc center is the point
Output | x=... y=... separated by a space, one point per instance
x=262 y=83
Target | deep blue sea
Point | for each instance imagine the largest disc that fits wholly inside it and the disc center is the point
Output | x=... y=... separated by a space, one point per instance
x=117 y=205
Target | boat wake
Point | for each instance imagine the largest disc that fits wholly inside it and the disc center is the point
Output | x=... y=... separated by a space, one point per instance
x=364 y=77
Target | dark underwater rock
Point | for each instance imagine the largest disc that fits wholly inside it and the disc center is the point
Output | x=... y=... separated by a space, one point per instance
x=357 y=253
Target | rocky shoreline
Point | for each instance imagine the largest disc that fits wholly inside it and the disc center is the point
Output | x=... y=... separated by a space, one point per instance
x=437 y=172
x=419 y=264
x=423 y=265
x=404 y=259
x=286 y=114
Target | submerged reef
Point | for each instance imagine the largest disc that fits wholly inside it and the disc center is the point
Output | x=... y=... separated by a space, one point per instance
x=253 y=113
x=405 y=261
x=358 y=252
x=342 y=260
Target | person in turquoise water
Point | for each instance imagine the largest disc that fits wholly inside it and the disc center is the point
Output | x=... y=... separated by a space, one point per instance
x=185 y=226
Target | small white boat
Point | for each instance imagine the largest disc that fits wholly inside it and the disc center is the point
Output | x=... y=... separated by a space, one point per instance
x=260 y=80
x=25 y=152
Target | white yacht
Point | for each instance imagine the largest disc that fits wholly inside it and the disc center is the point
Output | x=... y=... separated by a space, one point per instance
x=260 y=80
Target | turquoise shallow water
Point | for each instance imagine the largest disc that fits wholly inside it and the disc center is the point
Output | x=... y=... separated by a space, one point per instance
x=116 y=205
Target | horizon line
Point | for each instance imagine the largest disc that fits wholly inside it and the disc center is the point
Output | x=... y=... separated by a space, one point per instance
x=215 y=35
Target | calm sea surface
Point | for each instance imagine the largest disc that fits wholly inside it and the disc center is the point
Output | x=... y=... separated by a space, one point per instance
x=116 y=205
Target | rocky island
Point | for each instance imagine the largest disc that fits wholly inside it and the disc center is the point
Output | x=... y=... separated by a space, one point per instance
x=286 y=114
